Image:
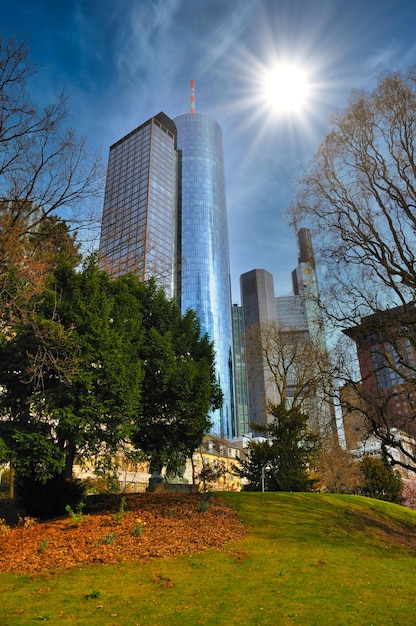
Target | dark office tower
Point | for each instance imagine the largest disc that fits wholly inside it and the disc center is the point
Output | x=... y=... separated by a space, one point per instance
x=165 y=216
x=139 y=222
x=204 y=262
x=258 y=301
x=240 y=373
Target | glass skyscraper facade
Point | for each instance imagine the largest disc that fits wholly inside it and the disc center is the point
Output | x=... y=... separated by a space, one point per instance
x=242 y=419
x=204 y=261
x=139 y=223
x=165 y=216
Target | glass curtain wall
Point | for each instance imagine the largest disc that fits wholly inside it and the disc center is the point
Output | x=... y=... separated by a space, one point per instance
x=204 y=263
x=138 y=232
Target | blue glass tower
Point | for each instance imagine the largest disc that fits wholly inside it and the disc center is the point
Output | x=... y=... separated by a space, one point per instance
x=165 y=216
x=204 y=284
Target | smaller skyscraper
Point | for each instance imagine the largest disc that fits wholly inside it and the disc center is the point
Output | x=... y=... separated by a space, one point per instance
x=139 y=222
x=297 y=321
x=240 y=373
x=258 y=302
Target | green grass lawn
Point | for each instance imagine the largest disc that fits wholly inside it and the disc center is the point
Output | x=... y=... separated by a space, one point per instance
x=308 y=559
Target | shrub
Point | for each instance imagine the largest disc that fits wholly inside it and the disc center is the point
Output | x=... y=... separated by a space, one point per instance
x=48 y=499
x=409 y=492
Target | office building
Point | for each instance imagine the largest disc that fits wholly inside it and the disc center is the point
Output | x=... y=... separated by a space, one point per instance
x=242 y=419
x=258 y=303
x=165 y=216
x=140 y=219
x=299 y=321
x=387 y=360
x=204 y=284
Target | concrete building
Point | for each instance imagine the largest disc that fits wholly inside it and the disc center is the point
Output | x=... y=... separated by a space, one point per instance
x=240 y=373
x=258 y=303
x=387 y=360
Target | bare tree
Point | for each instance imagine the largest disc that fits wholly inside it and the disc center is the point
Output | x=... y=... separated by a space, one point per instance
x=45 y=169
x=296 y=370
x=336 y=469
x=359 y=196
x=44 y=166
x=359 y=199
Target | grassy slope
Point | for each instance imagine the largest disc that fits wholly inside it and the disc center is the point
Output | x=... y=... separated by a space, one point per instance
x=308 y=559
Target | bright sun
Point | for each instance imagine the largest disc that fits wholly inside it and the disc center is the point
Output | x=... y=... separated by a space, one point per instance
x=285 y=88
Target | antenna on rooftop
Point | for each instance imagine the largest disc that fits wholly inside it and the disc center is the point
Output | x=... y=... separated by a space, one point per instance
x=192 y=96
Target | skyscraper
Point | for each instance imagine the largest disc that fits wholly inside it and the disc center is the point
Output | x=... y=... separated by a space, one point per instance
x=258 y=301
x=140 y=214
x=204 y=262
x=242 y=420
x=299 y=319
x=165 y=215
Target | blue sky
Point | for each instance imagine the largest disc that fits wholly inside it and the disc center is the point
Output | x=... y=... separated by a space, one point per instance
x=122 y=61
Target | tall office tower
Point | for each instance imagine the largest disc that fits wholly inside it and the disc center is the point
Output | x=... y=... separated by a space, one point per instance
x=305 y=285
x=258 y=302
x=139 y=222
x=300 y=313
x=204 y=262
x=242 y=420
x=299 y=316
x=165 y=216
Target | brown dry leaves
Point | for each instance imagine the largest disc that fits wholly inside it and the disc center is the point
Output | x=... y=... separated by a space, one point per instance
x=172 y=524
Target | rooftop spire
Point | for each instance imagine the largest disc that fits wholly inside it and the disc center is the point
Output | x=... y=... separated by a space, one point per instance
x=192 y=96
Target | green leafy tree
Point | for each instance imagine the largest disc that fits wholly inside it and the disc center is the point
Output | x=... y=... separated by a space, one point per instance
x=380 y=480
x=179 y=386
x=72 y=374
x=287 y=451
x=99 y=362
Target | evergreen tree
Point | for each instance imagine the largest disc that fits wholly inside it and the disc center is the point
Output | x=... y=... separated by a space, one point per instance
x=99 y=362
x=286 y=452
x=72 y=374
x=380 y=480
x=179 y=386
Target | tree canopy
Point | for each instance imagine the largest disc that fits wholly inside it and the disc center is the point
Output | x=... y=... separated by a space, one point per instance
x=179 y=386
x=359 y=199
x=380 y=480
x=286 y=450
x=100 y=361
x=71 y=373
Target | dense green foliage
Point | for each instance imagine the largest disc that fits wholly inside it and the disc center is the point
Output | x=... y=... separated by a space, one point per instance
x=286 y=452
x=71 y=374
x=380 y=480
x=99 y=362
x=179 y=385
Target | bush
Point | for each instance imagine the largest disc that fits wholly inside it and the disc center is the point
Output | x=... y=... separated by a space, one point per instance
x=409 y=492
x=380 y=480
x=48 y=499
